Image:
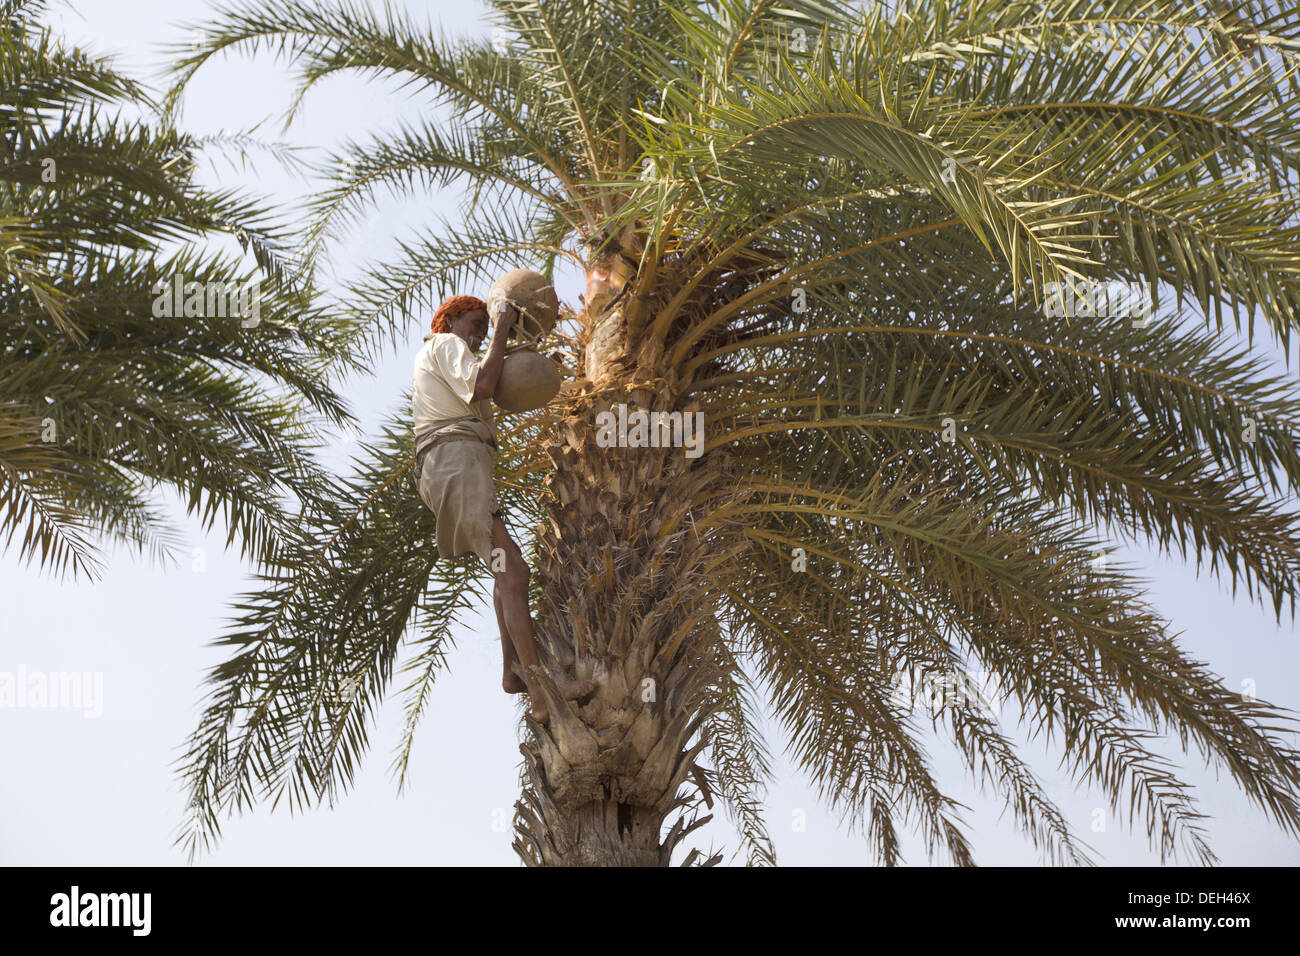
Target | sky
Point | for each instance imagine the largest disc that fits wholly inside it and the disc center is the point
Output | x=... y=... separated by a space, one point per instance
x=97 y=784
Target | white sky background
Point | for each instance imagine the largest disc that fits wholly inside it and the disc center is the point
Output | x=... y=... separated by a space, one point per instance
x=104 y=791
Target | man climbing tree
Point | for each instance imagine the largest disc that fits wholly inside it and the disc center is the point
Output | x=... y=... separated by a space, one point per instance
x=455 y=447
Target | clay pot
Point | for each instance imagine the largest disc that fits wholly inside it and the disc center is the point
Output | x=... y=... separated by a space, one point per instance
x=534 y=296
x=528 y=380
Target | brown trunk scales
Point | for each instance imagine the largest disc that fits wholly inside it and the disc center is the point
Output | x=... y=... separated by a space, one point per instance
x=624 y=583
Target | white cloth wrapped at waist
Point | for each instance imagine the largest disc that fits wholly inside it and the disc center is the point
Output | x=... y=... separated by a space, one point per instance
x=454 y=462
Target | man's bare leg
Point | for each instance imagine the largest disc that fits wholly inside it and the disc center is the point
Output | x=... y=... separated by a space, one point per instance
x=513 y=587
x=511 y=682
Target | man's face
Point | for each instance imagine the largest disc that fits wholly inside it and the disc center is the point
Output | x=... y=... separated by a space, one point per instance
x=472 y=326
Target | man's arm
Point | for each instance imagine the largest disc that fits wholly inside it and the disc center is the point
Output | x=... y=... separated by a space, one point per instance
x=485 y=384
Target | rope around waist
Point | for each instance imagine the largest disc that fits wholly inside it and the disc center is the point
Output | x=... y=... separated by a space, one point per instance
x=440 y=433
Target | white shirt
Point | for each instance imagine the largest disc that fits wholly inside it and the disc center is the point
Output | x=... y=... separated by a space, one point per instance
x=443 y=387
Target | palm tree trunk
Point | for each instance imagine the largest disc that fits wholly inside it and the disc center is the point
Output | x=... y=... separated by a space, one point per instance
x=623 y=571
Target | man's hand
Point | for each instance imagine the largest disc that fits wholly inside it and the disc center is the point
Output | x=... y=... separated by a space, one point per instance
x=504 y=319
x=500 y=310
x=504 y=314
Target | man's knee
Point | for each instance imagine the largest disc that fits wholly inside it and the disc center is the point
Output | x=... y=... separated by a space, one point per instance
x=501 y=539
x=508 y=561
x=517 y=569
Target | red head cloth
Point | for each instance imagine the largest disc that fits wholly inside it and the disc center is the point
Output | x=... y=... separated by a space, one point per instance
x=453 y=307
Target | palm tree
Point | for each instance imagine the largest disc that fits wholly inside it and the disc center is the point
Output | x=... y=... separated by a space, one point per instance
x=107 y=391
x=846 y=238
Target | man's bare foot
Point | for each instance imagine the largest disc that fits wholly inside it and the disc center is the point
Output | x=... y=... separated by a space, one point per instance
x=573 y=690
x=512 y=683
x=577 y=689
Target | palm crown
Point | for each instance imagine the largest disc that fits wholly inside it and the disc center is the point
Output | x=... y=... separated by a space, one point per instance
x=846 y=238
